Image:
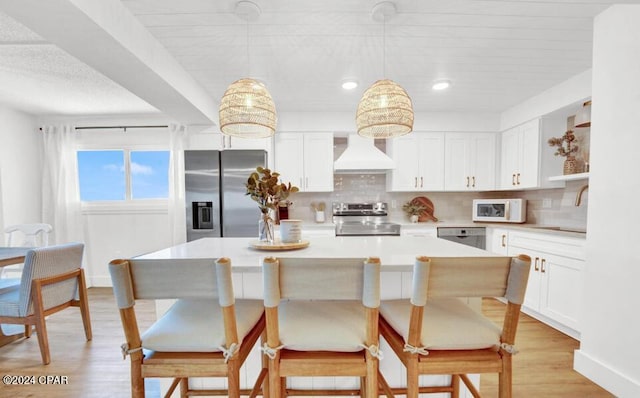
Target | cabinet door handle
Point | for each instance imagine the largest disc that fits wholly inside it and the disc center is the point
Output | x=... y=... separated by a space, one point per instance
x=421 y=182
x=536 y=267
x=474 y=181
x=301 y=183
x=467 y=181
x=513 y=179
x=504 y=244
x=518 y=178
x=415 y=182
x=542 y=268
x=306 y=182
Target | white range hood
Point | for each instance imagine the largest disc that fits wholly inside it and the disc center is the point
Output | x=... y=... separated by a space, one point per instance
x=361 y=156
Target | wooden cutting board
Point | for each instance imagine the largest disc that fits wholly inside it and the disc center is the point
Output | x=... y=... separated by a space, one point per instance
x=428 y=213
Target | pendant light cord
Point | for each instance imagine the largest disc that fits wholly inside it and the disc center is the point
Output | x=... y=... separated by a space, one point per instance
x=248 y=56
x=384 y=46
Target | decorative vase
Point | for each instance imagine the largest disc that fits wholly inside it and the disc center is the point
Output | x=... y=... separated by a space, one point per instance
x=265 y=229
x=414 y=218
x=571 y=165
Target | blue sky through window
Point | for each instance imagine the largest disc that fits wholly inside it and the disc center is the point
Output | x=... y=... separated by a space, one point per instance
x=101 y=175
x=149 y=174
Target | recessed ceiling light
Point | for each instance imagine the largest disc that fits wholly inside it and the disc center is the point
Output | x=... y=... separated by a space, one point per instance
x=441 y=84
x=349 y=84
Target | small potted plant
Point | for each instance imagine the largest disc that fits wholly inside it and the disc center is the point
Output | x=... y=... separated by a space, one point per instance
x=414 y=210
x=263 y=187
x=567 y=148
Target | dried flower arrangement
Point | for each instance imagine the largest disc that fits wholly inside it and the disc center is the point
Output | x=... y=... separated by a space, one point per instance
x=263 y=187
x=565 y=144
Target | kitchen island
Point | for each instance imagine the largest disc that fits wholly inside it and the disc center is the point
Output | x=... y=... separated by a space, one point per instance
x=397 y=255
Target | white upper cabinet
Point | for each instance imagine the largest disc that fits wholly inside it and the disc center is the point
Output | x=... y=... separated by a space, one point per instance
x=470 y=163
x=419 y=159
x=306 y=160
x=527 y=161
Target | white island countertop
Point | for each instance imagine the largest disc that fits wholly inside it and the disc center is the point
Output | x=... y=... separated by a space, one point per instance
x=397 y=253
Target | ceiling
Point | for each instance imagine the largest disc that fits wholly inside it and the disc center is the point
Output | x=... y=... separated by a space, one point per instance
x=496 y=53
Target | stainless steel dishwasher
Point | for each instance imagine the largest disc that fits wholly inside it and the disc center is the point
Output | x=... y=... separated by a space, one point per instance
x=474 y=236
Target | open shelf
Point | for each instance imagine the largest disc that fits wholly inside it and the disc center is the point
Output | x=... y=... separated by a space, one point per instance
x=570 y=177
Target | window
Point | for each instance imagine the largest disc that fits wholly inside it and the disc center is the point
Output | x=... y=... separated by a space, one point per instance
x=118 y=175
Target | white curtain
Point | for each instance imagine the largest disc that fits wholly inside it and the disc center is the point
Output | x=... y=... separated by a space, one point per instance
x=60 y=194
x=177 y=216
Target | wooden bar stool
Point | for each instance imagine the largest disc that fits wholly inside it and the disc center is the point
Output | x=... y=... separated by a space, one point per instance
x=435 y=332
x=206 y=333
x=322 y=320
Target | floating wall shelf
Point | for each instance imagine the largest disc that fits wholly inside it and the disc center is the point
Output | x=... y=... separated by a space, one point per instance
x=570 y=177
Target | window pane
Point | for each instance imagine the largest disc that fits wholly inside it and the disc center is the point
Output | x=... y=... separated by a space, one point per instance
x=149 y=174
x=101 y=175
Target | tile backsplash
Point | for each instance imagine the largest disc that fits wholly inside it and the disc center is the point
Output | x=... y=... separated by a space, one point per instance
x=549 y=206
x=553 y=207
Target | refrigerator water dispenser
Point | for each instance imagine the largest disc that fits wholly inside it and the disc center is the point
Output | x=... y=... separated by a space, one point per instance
x=202 y=215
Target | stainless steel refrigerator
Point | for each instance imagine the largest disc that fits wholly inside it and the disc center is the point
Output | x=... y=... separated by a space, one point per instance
x=215 y=193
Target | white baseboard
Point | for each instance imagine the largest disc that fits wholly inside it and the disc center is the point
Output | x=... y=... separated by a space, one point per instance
x=99 y=281
x=611 y=380
x=554 y=324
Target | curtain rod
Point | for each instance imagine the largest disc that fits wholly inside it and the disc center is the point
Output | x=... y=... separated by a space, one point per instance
x=116 y=127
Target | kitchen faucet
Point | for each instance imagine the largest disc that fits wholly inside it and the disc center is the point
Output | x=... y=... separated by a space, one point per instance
x=580 y=192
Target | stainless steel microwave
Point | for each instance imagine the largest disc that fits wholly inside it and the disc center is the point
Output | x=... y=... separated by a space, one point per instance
x=500 y=210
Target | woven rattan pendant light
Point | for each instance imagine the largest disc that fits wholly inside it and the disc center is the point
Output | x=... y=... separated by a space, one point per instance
x=246 y=108
x=385 y=110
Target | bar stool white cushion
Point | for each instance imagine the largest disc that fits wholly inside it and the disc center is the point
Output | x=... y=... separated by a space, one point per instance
x=322 y=325
x=196 y=325
x=447 y=324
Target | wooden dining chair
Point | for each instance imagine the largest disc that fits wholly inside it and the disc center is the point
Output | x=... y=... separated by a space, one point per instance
x=205 y=333
x=52 y=280
x=322 y=320
x=435 y=332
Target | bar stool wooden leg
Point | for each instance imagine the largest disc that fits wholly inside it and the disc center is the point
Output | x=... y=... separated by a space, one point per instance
x=184 y=387
x=455 y=386
x=412 y=377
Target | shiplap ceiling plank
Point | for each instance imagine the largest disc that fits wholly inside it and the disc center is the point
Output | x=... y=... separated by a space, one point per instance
x=497 y=53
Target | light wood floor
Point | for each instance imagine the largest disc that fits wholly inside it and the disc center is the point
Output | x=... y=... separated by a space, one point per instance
x=543 y=368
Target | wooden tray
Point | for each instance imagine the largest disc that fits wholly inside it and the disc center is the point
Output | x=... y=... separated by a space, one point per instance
x=278 y=245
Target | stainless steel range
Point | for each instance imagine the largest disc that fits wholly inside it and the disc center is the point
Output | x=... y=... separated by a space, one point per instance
x=363 y=219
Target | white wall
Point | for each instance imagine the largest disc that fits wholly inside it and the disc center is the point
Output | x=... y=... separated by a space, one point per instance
x=568 y=94
x=20 y=169
x=609 y=349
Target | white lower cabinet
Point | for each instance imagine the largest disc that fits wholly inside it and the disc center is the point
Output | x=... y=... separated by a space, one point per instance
x=497 y=240
x=554 y=291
